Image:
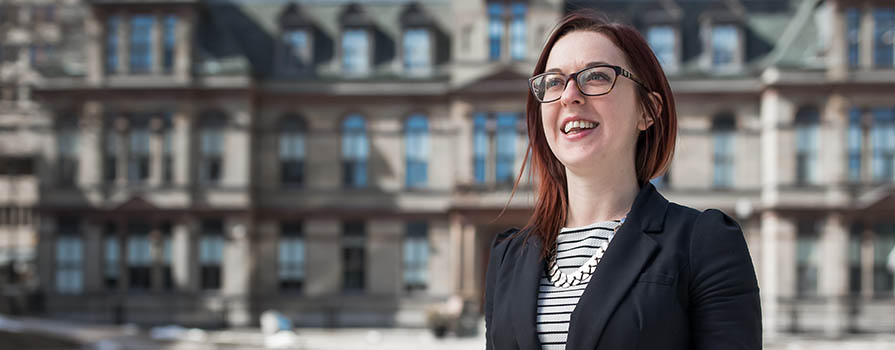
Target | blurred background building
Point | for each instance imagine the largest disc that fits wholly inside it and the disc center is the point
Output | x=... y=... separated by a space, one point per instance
x=201 y=161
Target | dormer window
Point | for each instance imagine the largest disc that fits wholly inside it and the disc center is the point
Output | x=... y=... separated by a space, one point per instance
x=417 y=42
x=296 y=46
x=884 y=37
x=357 y=41
x=725 y=47
x=500 y=16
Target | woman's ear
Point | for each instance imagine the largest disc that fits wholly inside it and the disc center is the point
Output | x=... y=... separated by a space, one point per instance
x=646 y=120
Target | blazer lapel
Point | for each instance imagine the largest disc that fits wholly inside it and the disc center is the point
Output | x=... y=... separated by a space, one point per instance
x=617 y=272
x=526 y=277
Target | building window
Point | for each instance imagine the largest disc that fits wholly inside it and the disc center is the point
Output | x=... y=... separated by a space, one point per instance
x=853 y=35
x=480 y=147
x=111 y=257
x=69 y=258
x=292 y=151
x=140 y=50
x=725 y=46
x=211 y=148
x=68 y=155
x=883 y=37
x=854 y=259
x=855 y=139
x=807 y=134
x=517 y=31
x=16 y=166
x=496 y=30
x=112 y=23
x=167 y=149
x=356 y=52
x=353 y=256
x=110 y=161
x=806 y=258
x=169 y=42
x=138 y=152
x=416 y=144
x=211 y=251
x=291 y=256
x=39 y=54
x=296 y=49
x=883 y=278
x=663 y=40
x=417 y=51
x=506 y=136
x=416 y=256
x=722 y=156
x=354 y=151
x=139 y=256
x=167 y=258
x=882 y=140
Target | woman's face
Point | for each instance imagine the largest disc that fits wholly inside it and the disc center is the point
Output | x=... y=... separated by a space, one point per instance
x=616 y=117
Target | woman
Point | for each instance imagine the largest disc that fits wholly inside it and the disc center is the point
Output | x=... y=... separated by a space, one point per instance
x=601 y=123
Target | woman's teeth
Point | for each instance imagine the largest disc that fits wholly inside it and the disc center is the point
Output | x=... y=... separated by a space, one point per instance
x=578 y=125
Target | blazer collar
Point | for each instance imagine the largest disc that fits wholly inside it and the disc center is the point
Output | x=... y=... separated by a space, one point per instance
x=615 y=274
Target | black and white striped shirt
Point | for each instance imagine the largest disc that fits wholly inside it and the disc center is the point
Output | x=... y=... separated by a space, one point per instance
x=555 y=304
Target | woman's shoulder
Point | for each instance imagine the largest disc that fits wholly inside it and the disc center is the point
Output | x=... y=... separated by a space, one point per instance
x=700 y=220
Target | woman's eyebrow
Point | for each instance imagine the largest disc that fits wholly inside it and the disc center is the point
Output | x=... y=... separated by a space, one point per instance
x=591 y=64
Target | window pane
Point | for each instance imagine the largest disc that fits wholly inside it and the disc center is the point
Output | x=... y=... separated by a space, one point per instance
x=297 y=48
x=112 y=23
x=807 y=133
x=354 y=151
x=417 y=51
x=353 y=252
x=141 y=43
x=111 y=256
x=480 y=146
x=291 y=256
x=853 y=35
x=725 y=43
x=416 y=256
x=417 y=149
x=662 y=41
x=883 y=278
x=495 y=30
x=882 y=144
x=883 y=36
x=170 y=42
x=111 y=155
x=506 y=147
x=138 y=161
x=518 y=32
x=355 y=51
x=806 y=259
x=855 y=144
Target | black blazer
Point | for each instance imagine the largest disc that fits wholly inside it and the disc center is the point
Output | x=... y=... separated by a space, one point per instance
x=673 y=278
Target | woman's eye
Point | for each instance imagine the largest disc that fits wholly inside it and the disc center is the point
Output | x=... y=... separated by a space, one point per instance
x=596 y=77
x=554 y=82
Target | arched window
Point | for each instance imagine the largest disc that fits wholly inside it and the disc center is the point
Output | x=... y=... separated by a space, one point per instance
x=211 y=146
x=416 y=144
x=807 y=134
x=722 y=150
x=292 y=150
x=355 y=150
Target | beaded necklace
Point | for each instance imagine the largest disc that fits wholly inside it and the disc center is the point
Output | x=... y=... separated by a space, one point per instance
x=562 y=280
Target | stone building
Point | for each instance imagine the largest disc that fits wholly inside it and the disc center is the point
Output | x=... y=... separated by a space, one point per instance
x=199 y=161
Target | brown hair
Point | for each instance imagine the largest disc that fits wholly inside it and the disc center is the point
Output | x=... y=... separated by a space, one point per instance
x=655 y=145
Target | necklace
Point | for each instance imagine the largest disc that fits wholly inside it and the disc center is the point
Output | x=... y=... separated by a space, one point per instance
x=562 y=280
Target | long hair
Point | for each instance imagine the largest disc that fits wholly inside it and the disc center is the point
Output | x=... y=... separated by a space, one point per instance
x=655 y=145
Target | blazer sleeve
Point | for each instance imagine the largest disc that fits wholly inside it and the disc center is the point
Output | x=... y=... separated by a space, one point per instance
x=498 y=251
x=725 y=309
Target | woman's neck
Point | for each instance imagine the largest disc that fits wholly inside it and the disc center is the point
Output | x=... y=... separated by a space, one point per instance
x=600 y=197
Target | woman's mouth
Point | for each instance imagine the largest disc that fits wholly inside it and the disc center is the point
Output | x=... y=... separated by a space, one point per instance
x=577 y=126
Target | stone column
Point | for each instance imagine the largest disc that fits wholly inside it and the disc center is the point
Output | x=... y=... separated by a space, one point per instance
x=156 y=43
x=833 y=160
x=834 y=274
x=183 y=147
x=384 y=271
x=236 y=269
x=122 y=124
x=157 y=246
x=183 y=46
x=865 y=43
x=94 y=27
x=184 y=264
x=266 y=250
x=469 y=262
x=156 y=147
x=867 y=238
x=456 y=248
x=90 y=149
x=770 y=144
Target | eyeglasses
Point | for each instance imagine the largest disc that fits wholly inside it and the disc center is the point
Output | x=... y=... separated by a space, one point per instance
x=591 y=81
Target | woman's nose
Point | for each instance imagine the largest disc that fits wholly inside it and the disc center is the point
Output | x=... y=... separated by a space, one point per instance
x=571 y=94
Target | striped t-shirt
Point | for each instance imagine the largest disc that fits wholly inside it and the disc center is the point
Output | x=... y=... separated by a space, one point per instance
x=555 y=304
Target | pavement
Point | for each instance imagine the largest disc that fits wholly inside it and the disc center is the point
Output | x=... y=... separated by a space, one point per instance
x=26 y=333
